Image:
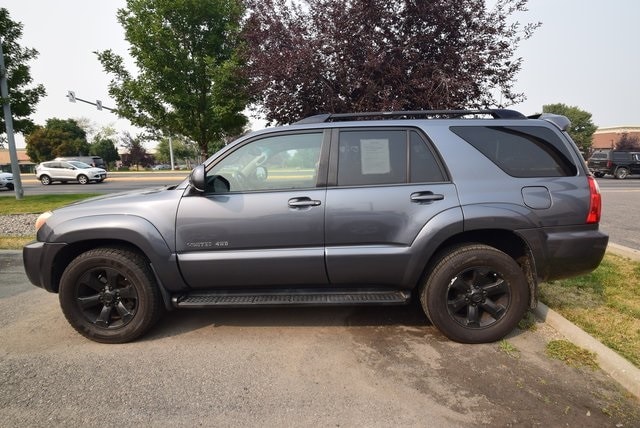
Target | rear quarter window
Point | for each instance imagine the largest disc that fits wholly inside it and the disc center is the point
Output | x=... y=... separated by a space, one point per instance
x=521 y=151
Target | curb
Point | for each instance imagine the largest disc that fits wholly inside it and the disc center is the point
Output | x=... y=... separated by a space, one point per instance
x=621 y=370
x=623 y=251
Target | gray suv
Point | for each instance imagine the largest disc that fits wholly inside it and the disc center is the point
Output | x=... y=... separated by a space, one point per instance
x=466 y=211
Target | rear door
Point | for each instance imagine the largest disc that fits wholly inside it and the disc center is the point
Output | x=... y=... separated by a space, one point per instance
x=385 y=185
x=261 y=221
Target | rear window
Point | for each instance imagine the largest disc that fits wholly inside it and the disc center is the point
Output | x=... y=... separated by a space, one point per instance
x=521 y=151
x=599 y=156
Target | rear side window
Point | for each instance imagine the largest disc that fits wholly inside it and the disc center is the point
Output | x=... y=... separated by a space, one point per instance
x=521 y=151
x=385 y=156
x=372 y=157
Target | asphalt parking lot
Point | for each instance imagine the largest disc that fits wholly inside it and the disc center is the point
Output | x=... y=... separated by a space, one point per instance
x=285 y=367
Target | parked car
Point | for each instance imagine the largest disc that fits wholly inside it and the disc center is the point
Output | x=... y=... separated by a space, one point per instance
x=6 y=180
x=65 y=171
x=619 y=163
x=95 y=161
x=466 y=211
x=161 y=167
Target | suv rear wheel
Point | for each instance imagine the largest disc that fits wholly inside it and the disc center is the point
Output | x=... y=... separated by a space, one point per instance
x=109 y=295
x=475 y=294
x=621 y=173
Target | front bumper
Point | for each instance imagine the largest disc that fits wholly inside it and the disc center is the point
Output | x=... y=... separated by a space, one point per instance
x=38 y=259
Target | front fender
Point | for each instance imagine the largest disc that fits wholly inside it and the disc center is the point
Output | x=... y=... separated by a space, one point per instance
x=86 y=232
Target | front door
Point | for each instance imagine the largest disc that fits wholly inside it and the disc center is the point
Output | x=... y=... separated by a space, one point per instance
x=260 y=223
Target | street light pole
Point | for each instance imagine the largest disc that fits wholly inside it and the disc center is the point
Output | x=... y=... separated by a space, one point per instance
x=8 y=120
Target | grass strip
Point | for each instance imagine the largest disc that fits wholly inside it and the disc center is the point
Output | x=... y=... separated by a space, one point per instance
x=604 y=303
x=35 y=204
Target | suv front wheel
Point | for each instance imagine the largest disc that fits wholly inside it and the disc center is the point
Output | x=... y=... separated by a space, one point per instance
x=110 y=295
x=475 y=294
x=45 y=180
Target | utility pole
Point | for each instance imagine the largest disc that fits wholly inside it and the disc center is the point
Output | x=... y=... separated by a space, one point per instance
x=8 y=120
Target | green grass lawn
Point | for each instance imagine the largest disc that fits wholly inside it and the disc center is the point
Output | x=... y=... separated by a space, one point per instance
x=33 y=204
x=604 y=303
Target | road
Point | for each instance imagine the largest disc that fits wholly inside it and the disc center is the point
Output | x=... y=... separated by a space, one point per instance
x=621 y=210
x=294 y=367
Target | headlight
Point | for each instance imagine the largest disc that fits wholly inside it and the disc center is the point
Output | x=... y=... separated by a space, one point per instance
x=42 y=219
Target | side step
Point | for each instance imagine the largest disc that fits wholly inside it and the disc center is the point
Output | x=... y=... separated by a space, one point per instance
x=290 y=298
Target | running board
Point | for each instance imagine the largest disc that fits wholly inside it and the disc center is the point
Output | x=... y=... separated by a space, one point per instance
x=290 y=298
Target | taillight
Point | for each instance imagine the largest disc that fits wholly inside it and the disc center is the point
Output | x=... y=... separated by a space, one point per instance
x=595 y=203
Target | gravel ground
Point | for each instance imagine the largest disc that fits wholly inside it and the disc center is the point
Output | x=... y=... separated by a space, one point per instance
x=17 y=224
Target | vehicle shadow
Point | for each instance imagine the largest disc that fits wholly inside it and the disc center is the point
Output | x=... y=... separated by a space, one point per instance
x=181 y=322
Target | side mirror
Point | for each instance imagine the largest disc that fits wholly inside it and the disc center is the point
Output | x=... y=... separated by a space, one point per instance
x=197 y=178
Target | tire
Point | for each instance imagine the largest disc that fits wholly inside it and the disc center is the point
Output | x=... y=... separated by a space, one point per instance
x=598 y=174
x=621 y=173
x=83 y=179
x=10 y=186
x=109 y=295
x=475 y=294
x=45 y=180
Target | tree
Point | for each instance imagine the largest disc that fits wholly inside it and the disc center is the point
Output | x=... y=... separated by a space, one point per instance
x=182 y=150
x=137 y=154
x=317 y=56
x=188 y=82
x=23 y=96
x=628 y=142
x=581 y=129
x=104 y=145
x=59 y=137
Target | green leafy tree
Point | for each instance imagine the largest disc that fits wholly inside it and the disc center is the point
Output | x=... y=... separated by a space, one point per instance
x=182 y=150
x=59 y=137
x=23 y=95
x=628 y=142
x=581 y=129
x=104 y=145
x=188 y=81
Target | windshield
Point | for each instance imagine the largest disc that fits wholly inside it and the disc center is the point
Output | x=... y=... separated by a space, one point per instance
x=79 y=164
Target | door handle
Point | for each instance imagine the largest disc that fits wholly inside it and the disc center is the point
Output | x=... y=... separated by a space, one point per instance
x=426 y=197
x=303 y=202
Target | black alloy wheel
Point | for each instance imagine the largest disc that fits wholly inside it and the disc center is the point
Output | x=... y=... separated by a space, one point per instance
x=110 y=295
x=475 y=294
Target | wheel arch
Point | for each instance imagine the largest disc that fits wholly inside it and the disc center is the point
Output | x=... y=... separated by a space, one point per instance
x=125 y=231
x=506 y=241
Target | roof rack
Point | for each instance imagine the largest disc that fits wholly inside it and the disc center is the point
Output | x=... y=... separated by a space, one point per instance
x=414 y=114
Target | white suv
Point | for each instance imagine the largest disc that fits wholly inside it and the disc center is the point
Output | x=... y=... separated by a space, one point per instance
x=6 y=180
x=63 y=171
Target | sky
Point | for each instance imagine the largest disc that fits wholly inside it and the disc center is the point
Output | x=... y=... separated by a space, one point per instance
x=585 y=54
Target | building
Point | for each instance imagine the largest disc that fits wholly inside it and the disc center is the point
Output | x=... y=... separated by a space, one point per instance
x=25 y=164
x=606 y=138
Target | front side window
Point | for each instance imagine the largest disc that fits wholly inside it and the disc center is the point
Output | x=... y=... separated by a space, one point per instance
x=273 y=163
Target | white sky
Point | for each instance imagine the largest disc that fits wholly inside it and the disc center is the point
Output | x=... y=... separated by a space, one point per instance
x=587 y=54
